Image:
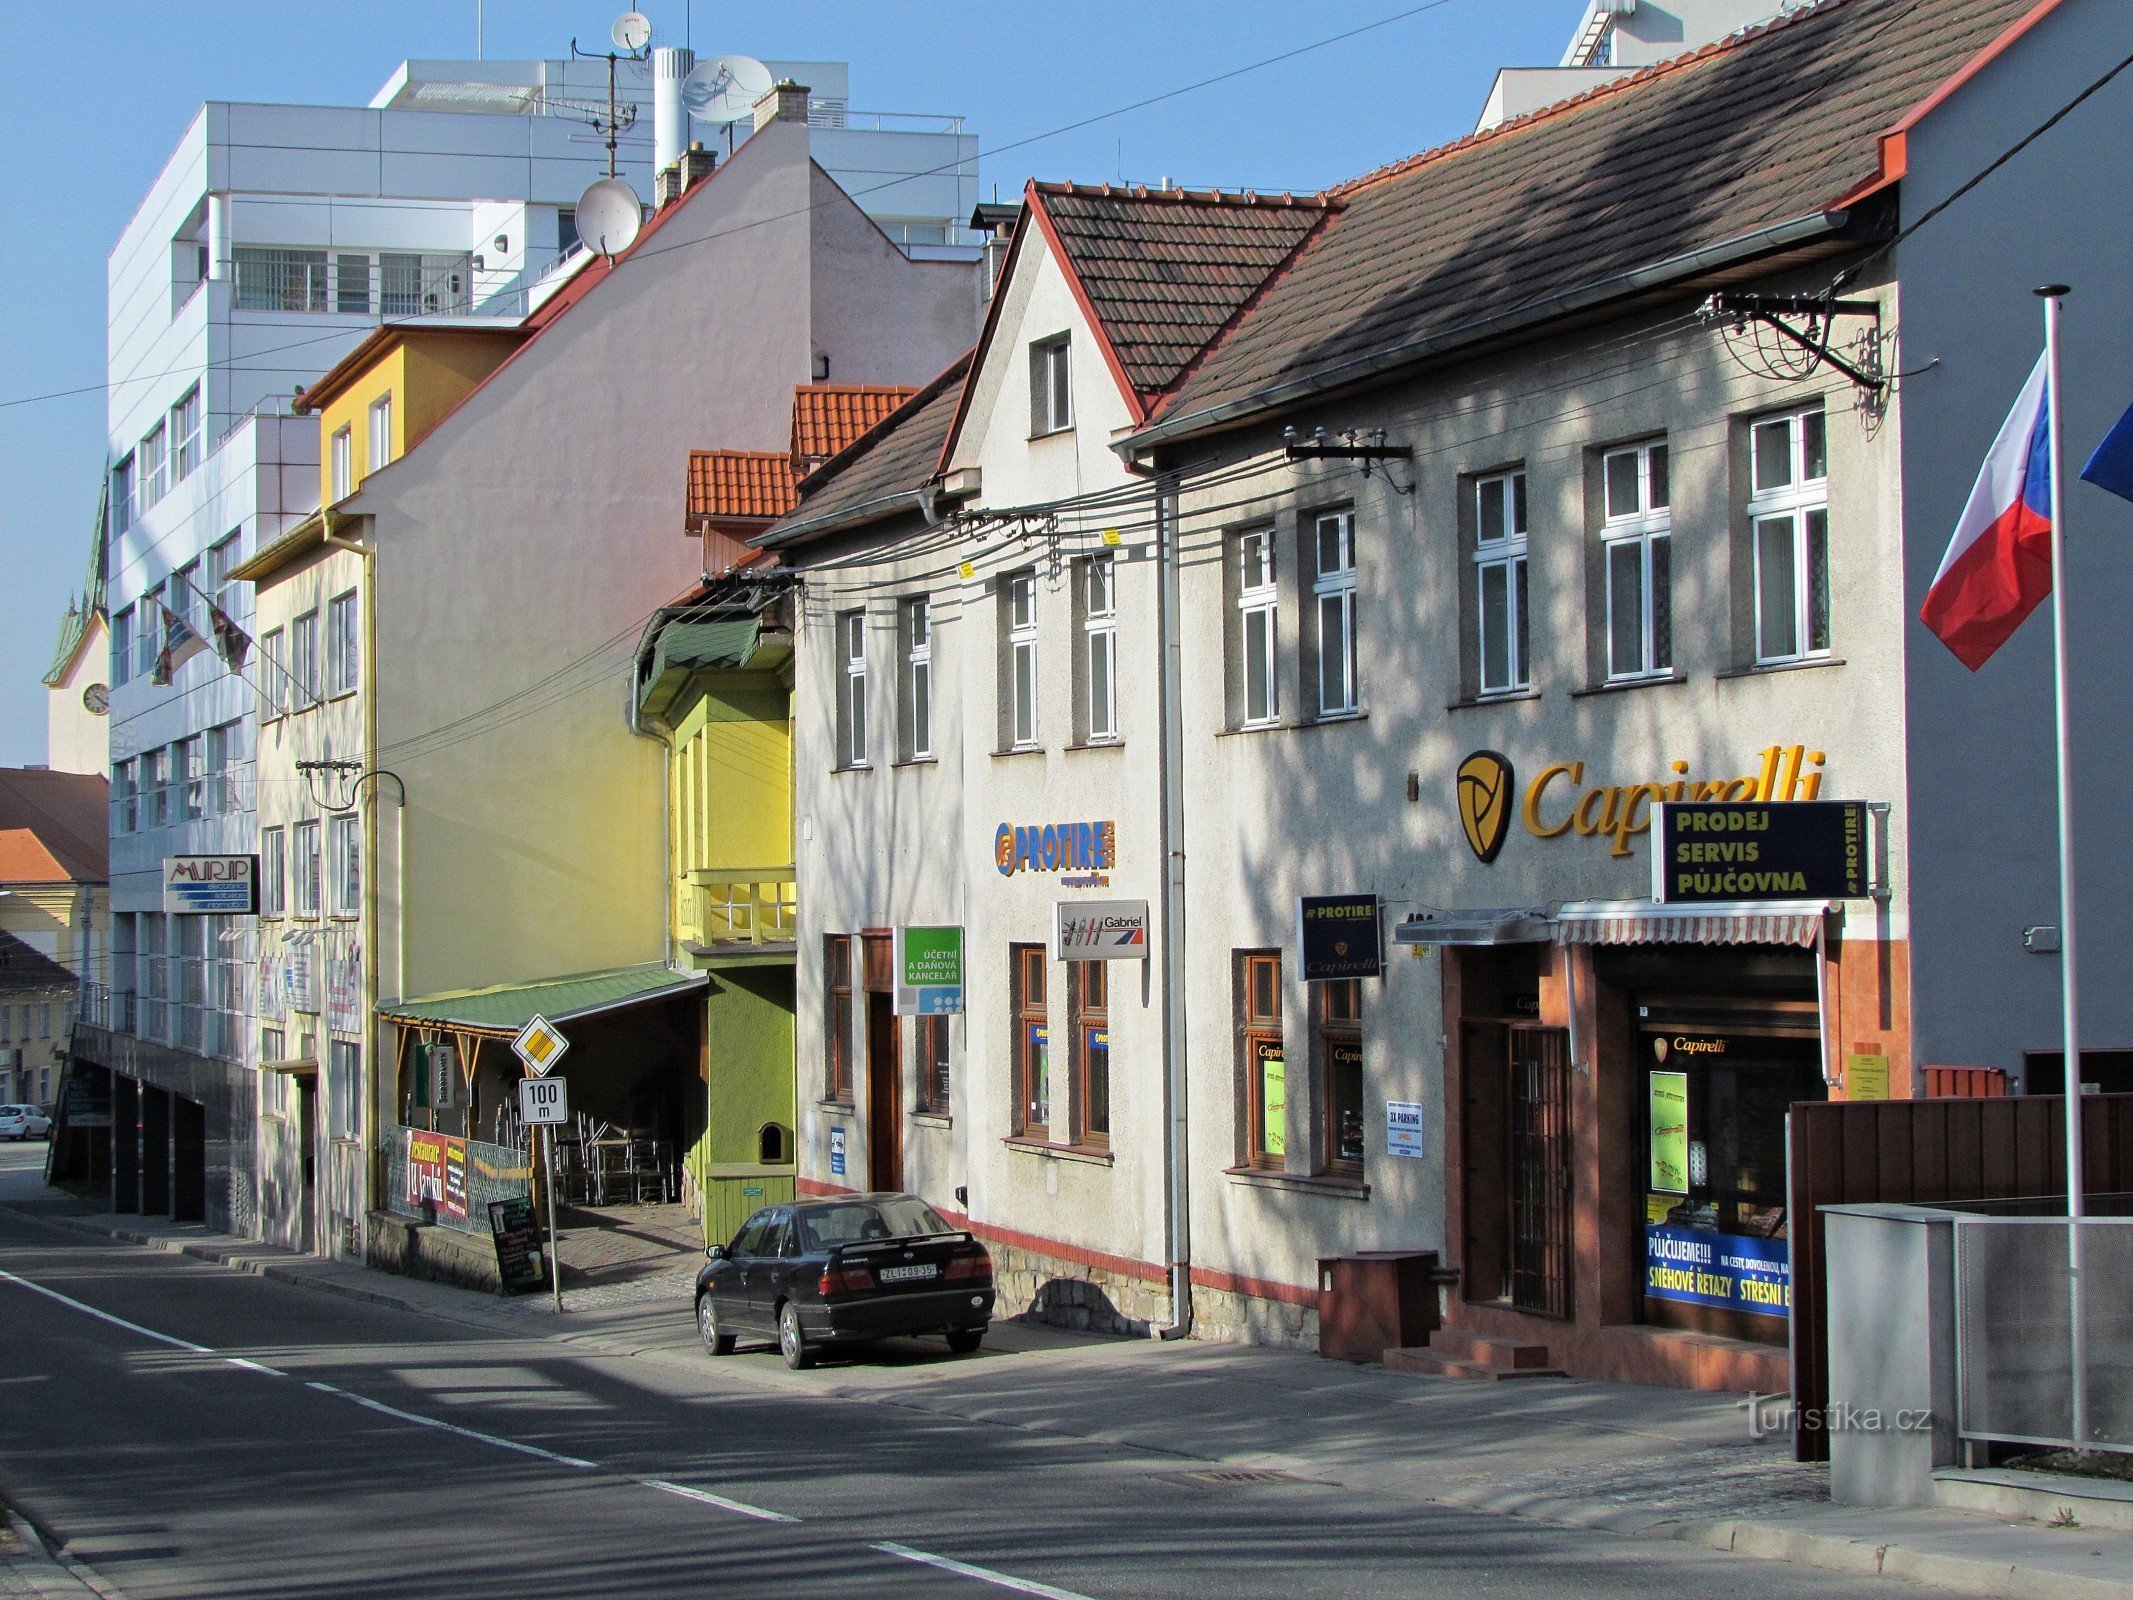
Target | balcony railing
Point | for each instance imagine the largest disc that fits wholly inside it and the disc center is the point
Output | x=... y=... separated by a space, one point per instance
x=352 y=283
x=723 y=906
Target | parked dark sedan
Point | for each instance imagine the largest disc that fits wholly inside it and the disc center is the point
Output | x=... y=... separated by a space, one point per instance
x=843 y=1270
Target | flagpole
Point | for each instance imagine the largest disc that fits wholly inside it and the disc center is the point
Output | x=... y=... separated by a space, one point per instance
x=2069 y=986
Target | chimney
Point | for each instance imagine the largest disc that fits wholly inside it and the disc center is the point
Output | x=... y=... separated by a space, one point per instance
x=786 y=102
x=677 y=178
x=670 y=121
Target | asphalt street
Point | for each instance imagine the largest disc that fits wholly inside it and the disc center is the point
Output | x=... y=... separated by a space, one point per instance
x=189 y=1431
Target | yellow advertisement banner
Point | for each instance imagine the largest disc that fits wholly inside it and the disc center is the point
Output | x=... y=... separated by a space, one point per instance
x=1670 y=1132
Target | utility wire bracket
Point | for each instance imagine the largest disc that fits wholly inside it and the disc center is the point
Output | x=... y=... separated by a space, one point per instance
x=1779 y=313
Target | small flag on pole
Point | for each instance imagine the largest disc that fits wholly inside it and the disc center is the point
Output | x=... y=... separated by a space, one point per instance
x=231 y=641
x=181 y=642
x=2111 y=467
x=1998 y=568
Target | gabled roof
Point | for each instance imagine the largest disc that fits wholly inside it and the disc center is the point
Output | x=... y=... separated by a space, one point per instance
x=389 y=336
x=54 y=826
x=1719 y=148
x=828 y=417
x=24 y=969
x=883 y=472
x=739 y=486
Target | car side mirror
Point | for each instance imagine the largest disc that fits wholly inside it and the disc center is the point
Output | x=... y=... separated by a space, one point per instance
x=714 y=1252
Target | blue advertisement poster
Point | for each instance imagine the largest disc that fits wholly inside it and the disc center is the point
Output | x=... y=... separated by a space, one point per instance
x=1732 y=1271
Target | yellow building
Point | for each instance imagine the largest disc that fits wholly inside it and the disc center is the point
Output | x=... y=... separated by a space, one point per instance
x=327 y=817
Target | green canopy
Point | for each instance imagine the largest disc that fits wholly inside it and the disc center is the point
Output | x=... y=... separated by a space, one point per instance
x=504 y=1008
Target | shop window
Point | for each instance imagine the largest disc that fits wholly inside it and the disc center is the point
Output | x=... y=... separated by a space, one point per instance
x=914 y=688
x=1088 y=1004
x=1096 y=663
x=932 y=1053
x=1051 y=388
x=837 y=1018
x=852 y=689
x=1636 y=548
x=1018 y=660
x=1032 y=1050
x=1256 y=700
x=1262 y=1063
x=1502 y=637
x=1788 y=521
x=1340 y=1075
x=1333 y=613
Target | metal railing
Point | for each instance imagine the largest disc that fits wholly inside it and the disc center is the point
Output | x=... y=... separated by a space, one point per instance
x=352 y=283
x=739 y=905
x=493 y=1172
x=2014 y=1346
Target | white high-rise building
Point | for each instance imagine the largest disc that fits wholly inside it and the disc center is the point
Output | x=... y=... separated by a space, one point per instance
x=274 y=239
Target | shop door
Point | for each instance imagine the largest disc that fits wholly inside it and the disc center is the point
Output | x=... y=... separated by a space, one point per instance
x=1540 y=1197
x=307 y=1145
x=885 y=1097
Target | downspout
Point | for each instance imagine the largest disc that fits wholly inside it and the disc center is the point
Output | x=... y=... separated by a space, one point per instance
x=1177 y=1171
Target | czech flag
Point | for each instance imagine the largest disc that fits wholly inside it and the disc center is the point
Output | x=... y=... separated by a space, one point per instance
x=1998 y=568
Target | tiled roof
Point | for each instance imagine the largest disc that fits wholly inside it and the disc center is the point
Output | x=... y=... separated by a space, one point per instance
x=887 y=466
x=1774 y=124
x=739 y=485
x=54 y=826
x=829 y=417
x=1164 y=269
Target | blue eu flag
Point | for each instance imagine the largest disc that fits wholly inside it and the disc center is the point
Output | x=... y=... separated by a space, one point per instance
x=2111 y=467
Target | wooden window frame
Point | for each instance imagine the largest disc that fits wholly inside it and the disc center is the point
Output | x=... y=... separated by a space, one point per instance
x=1258 y=972
x=837 y=1018
x=930 y=1053
x=1029 y=1000
x=1084 y=1017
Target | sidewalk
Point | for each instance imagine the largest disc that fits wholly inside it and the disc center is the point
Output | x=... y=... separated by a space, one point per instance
x=29 y=1572
x=1620 y=1459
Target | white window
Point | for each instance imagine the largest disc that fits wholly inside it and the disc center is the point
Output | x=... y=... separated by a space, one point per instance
x=347 y=865
x=1500 y=571
x=1788 y=514
x=122 y=647
x=1333 y=590
x=188 y=779
x=1634 y=541
x=1021 y=619
x=151 y=630
x=154 y=456
x=351 y=284
x=185 y=432
x=852 y=689
x=1256 y=613
x=274 y=663
x=222 y=559
x=343 y=464
x=225 y=751
x=303 y=659
x=123 y=486
x=381 y=432
x=306 y=869
x=342 y=649
x=1051 y=389
x=916 y=697
x=123 y=810
x=273 y=874
x=1099 y=628
x=184 y=595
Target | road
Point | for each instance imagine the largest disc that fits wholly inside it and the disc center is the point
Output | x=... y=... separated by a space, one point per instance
x=190 y=1431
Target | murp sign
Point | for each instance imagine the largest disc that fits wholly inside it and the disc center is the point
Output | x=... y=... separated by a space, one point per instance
x=199 y=885
x=1733 y=1271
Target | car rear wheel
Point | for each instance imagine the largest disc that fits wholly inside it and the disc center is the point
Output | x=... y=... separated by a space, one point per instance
x=792 y=1343
x=716 y=1339
x=965 y=1341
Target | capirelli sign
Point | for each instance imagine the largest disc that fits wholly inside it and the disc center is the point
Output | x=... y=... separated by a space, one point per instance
x=198 y=885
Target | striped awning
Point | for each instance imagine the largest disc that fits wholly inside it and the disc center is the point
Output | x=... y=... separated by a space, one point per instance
x=1784 y=922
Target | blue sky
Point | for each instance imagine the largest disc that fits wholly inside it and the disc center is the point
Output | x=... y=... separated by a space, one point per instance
x=100 y=90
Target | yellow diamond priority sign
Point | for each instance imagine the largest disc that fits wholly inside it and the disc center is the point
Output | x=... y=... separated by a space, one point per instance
x=540 y=1045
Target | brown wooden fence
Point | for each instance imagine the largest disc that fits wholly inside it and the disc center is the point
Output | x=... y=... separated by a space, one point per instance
x=1925 y=1151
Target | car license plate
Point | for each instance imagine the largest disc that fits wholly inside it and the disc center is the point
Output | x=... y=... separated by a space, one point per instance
x=910 y=1274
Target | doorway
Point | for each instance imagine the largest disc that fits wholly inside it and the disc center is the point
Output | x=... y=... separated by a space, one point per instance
x=307 y=1148
x=188 y=1178
x=1539 y=1225
x=885 y=1096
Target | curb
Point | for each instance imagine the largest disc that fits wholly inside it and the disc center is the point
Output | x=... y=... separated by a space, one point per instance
x=1740 y=1536
x=49 y=1569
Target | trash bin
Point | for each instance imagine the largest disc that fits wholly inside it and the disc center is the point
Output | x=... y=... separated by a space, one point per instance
x=1374 y=1301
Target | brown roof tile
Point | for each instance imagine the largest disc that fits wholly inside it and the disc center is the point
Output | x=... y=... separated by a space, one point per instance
x=739 y=485
x=1772 y=125
x=54 y=826
x=1163 y=270
x=829 y=417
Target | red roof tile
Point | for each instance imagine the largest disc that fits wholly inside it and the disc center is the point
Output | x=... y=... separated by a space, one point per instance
x=54 y=826
x=739 y=485
x=830 y=417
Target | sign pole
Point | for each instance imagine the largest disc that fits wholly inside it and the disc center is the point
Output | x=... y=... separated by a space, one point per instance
x=555 y=1266
x=2069 y=992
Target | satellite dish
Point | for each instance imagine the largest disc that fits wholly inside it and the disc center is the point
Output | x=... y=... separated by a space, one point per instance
x=632 y=32
x=725 y=88
x=609 y=216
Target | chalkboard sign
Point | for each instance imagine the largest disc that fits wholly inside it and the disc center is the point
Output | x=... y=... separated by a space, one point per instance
x=519 y=1261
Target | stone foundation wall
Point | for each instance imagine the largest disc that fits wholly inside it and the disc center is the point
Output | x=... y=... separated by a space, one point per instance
x=442 y=1255
x=1063 y=1294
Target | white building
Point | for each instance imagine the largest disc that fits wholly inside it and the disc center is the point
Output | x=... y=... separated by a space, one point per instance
x=274 y=239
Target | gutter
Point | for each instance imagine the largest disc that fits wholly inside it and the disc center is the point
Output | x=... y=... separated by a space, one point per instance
x=835 y=521
x=1360 y=368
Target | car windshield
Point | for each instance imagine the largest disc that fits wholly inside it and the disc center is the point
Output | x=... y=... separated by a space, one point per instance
x=901 y=1218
